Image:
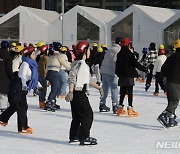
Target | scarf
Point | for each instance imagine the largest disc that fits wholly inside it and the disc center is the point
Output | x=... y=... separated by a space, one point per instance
x=82 y=75
x=34 y=76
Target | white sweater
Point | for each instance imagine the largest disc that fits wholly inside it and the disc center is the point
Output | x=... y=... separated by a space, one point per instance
x=158 y=63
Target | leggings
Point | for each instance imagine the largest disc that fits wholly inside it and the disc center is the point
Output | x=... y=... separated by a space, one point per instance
x=126 y=90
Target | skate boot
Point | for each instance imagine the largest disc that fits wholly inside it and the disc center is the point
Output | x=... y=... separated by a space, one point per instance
x=53 y=107
x=155 y=93
x=58 y=107
x=115 y=107
x=121 y=111
x=48 y=106
x=131 y=112
x=103 y=108
x=147 y=87
x=172 y=122
x=88 y=141
x=163 y=119
x=25 y=131
x=3 y=123
x=41 y=105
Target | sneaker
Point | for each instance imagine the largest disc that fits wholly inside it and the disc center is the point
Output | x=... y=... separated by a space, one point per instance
x=121 y=111
x=103 y=108
x=155 y=93
x=88 y=141
x=115 y=107
x=131 y=112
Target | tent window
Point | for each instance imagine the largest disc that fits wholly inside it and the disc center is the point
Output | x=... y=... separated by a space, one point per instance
x=9 y=30
x=124 y=28
x=86 y=30
x=171 y=34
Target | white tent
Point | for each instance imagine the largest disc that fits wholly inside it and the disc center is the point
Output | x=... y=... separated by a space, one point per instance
x=30 y=25
x=146 y=24
x=77 y=20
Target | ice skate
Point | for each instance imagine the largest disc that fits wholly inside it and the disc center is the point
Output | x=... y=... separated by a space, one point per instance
x=115 y=107
x=53 y=107
x=41 y=105
x=147 y=87
x=103 y=108
x=121 y=111
x=131 y=112
x=25 y=131
x=155 y=93
x=88 y=141
x=48 y=106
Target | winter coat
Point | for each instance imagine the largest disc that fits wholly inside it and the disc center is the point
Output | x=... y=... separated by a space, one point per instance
x=42 y=63
x=170 y=68
x=126 y=64
x=109 y=62
x=6 y=73
x=56 y=61
x=158 y=64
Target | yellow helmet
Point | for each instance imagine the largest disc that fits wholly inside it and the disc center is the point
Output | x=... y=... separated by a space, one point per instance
x=177 y=44
x=39 y=44
x=35 y=45
x=18 y=48
x=100 y=49
x=64 y=49
x=161 y=46
x=95 y=44
x=14 y=44
x=103 y=46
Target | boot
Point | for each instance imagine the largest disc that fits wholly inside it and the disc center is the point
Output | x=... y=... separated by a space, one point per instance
x=163 y=119
x=121 y=111
x=115 y=107
x=155 y=93
x=25 y=131
x=41 y=105
x=103 y=108
x=48 y=106
x=131 y=112
x=88 y=141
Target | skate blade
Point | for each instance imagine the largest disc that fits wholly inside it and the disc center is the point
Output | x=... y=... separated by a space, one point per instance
x=162 y=124
x=88 y=144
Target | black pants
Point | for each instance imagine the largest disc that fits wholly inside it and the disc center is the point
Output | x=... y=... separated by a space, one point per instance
x=82 y=116
x=159 y=81
x=18 y=103
x=173 y=96
x=126 y=90
x=42 y=93
x=149 y=75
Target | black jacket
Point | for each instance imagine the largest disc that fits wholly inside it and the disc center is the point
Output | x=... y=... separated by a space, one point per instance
x=126 y=64
x=171 y=68
x=6 y=73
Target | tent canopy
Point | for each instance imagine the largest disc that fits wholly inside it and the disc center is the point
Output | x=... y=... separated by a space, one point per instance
x=147 y=24
x=31 y=25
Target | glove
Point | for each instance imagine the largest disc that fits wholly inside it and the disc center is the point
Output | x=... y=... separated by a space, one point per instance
x=24 y=90
x=69 y=96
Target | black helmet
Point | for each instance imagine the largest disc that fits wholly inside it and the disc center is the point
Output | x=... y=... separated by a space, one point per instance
x=57 y=46
x=4 y=44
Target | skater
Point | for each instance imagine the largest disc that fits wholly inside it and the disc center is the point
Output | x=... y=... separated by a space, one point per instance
x=172 y=72
x=6 y=74
x=157 y=70
x=82 y=114
x=42 y=59
x=55 y=62
x=151 y=58
x=126 y=65
x=25 y=80
x=109 y=78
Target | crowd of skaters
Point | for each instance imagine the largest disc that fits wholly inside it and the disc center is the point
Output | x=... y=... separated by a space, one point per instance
x=29 y=67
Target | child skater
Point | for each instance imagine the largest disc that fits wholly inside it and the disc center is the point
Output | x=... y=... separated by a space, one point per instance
x=82 y=114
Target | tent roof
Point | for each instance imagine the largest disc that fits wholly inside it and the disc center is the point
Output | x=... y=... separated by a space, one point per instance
x=156 y=14
x=95 y=15
x=43 y=15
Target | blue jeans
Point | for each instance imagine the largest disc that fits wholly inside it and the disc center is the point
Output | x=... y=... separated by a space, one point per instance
x=53 y=77
x=62 y=83
x=109 y=81
x=42 y=93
